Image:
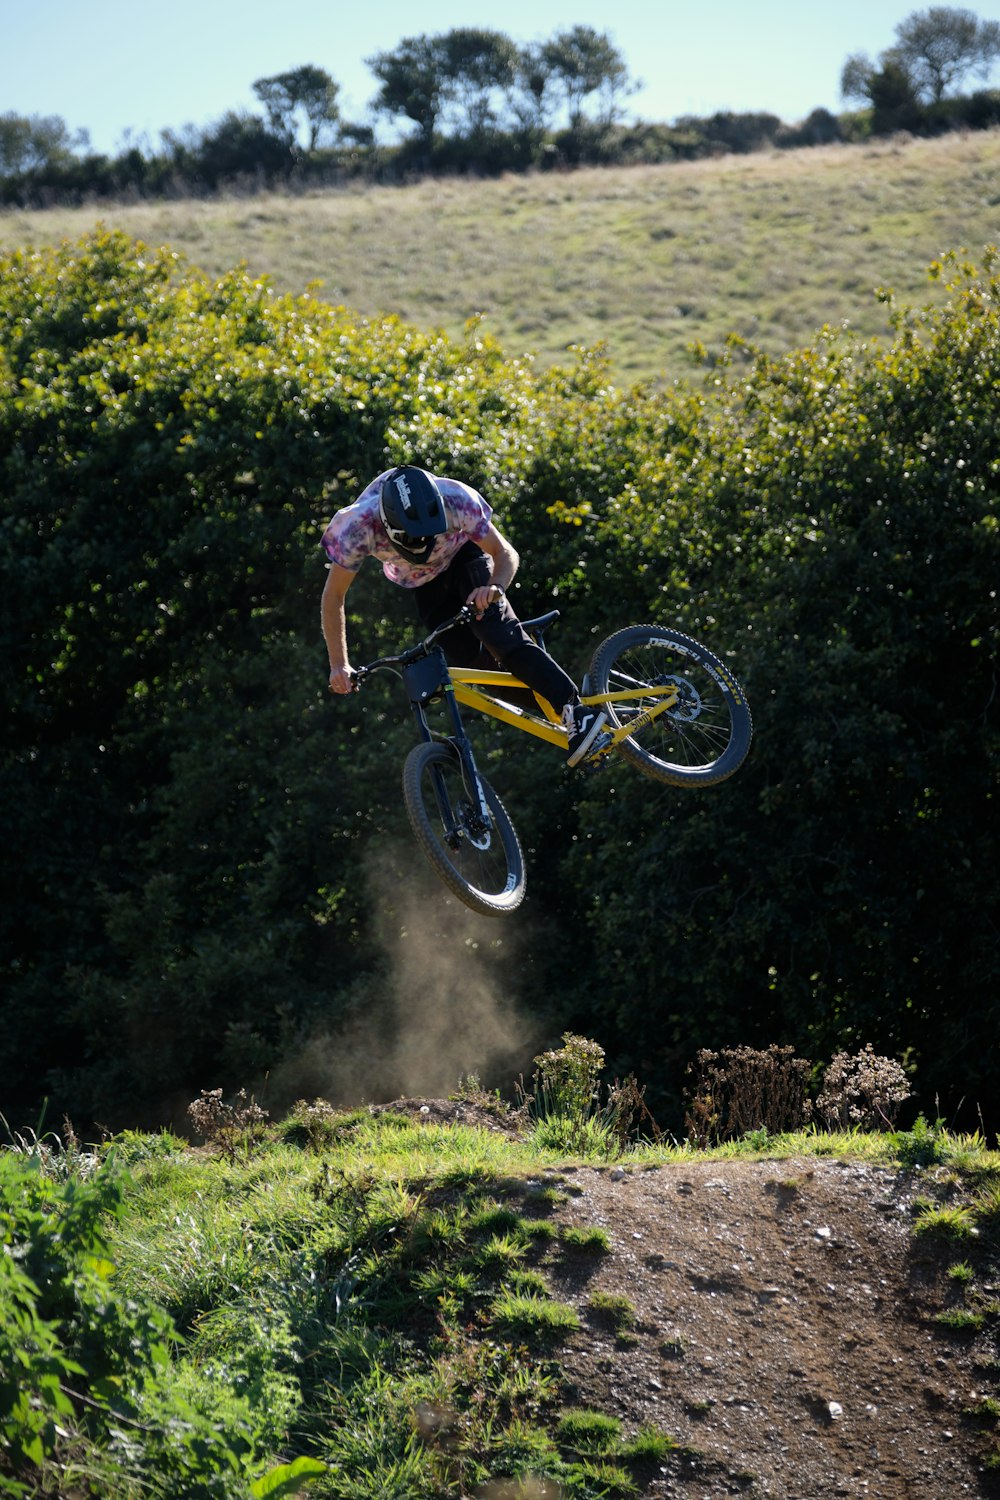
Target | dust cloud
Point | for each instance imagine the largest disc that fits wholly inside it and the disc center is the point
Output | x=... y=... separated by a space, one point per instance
x=442 y=1008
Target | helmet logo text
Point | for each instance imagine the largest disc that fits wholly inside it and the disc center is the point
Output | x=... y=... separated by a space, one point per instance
x=406 y=498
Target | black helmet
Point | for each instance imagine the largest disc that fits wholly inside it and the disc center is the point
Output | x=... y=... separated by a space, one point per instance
x=411 y=509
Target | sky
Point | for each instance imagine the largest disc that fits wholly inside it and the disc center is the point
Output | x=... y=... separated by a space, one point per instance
x=124 y=70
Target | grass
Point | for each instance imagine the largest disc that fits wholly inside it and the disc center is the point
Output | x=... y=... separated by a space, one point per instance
x=545 y=1199
x=614 y=1310
x=534 y=1318
x=377 y=1291
x=986 y=1412
x=647 y=260
x=590 y=1240
x=960 y=1320
x=950 y=1223
x=589 y=1431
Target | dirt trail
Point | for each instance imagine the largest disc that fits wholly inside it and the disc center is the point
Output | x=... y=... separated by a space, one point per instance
x=785 y=1331
x=785 y=1327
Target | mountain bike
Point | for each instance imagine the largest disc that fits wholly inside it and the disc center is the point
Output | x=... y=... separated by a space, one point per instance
x=675 y=712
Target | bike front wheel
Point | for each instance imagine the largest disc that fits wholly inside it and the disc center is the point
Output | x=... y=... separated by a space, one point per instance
x=704 y=736
x=479 y=859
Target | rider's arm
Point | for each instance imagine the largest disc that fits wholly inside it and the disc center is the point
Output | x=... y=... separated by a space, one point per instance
x=505 y=564
x=334 y=621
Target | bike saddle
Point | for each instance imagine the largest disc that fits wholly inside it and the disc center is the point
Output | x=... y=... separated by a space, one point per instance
x=540 y=621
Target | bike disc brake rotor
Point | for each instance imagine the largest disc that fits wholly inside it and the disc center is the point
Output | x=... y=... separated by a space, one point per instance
x=688 y=705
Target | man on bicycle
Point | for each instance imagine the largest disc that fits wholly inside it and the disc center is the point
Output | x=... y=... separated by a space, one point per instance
x=436 y=536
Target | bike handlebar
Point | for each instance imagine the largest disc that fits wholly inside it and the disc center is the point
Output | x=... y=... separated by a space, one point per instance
x=414 y=653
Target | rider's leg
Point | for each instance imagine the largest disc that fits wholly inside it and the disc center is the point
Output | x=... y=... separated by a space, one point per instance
x=503 y=636
x=443 y=596
x=498 y=636
x=584 y=726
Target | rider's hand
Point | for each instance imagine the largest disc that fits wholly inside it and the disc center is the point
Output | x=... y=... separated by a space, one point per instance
x=480 y=599
x=341 y=680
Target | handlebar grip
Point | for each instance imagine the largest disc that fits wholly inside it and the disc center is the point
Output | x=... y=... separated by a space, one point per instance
x=355 y=677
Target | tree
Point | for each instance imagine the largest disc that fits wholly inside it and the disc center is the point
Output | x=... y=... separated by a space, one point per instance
x=889 y=89
x=412 y=79
x=28 y=142
x=535 y=81
x=307 y=92
x=241 y=145
x=939 y=46
x=585 y=61
x=467 y=68
x=476 y=64
x=893 y=97
x=934 y=51
x=856 y=76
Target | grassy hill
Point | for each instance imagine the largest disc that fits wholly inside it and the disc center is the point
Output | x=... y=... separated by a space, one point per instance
x=443 y=1298
x=646 y=260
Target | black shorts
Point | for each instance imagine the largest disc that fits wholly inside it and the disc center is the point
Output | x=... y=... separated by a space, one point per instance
x=497 y=638
x=481 y=643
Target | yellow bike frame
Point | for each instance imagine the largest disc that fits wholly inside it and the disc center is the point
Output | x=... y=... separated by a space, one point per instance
x=467 y=683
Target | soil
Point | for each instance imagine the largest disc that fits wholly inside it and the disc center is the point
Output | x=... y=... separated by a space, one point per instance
x=784 y=1329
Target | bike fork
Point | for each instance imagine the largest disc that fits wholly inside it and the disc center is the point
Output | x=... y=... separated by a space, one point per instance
x=470 y=775
x=452 y=825
x=470 y=772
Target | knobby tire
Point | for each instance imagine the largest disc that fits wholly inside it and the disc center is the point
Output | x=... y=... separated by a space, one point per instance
x=489 y=879
x=706 y=736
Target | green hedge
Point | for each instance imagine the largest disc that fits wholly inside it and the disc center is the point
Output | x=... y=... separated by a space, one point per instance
x=192 y=820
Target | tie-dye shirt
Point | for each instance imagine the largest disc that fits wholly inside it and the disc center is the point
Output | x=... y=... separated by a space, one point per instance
x=356 y=532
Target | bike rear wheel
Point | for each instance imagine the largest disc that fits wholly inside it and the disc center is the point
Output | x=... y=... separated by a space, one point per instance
x=705 y=736
x=480 y=862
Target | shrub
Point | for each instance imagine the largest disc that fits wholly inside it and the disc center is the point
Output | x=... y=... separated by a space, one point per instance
x=316 y=1126
x=923 y=1145
x=864 y=1090
x=742 y=1091
x=236 y=1129
x=87 y=1376
x=567 y=1107
x=188 y=862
